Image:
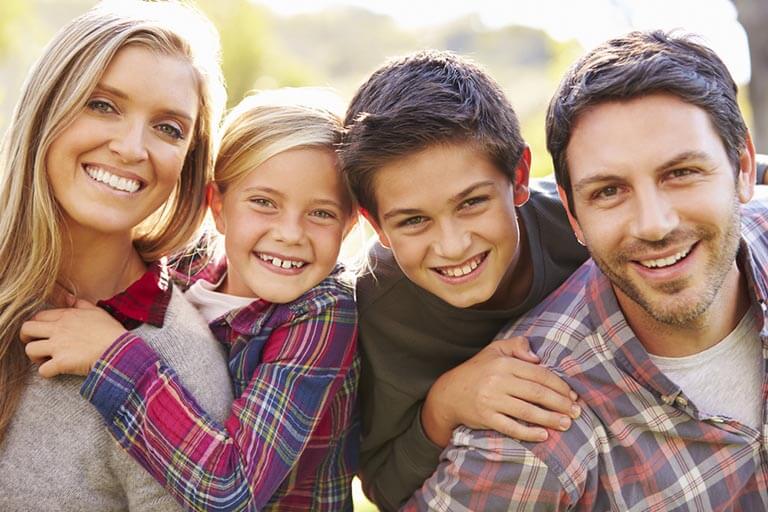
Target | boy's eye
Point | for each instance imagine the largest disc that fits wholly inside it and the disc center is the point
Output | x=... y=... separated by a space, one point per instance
x=412 y=221
x=171 y=130
x=473 y=201
x=101 y=106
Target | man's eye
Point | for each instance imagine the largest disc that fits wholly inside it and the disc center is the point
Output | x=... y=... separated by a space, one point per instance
x=606 y=192
x=680 y=173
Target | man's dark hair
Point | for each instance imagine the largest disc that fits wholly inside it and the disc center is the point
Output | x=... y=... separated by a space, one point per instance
x=419 y=101
x=638 y=64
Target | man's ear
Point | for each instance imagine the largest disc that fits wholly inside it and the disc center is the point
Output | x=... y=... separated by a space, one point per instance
x=520 y=189
x=376 y=227
x=215 y=202
x=571 y=218
x=745 y=182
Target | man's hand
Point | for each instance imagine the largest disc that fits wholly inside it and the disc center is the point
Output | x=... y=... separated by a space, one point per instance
x=69 y=340
x=501 y=384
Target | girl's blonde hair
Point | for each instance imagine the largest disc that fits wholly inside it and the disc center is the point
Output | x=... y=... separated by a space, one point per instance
x=55 y=91
x=270 y=122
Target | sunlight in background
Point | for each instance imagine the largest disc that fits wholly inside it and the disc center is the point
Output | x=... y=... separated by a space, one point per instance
x=588 y=21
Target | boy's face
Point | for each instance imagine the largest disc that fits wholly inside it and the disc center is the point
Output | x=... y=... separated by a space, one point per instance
x=448 y=214
x=657 y=204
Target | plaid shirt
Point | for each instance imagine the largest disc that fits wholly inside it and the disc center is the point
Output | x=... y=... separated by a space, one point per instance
x=145 y=301
x=639 y=445
x=291 y=440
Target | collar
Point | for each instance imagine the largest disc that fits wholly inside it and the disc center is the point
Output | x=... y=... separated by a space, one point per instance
x=144 y=301
x=609 y=322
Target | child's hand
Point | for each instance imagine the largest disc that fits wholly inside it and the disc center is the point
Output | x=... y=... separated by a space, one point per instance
x=69 y=340
x=498 y=386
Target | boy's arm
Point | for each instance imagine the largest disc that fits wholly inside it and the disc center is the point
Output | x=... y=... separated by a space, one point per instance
x=210 y=467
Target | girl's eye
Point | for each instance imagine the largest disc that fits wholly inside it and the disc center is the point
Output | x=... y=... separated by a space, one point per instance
x=324 y=214
x=261 y=202
x=101 y=106
x=171 y=130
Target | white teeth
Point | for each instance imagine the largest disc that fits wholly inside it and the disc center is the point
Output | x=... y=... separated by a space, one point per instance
x=665 y=262
x=113 y=181
x=461 y=270
x=281 y=263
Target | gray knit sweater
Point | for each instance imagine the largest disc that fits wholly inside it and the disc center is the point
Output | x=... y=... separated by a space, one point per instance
x=58 y=456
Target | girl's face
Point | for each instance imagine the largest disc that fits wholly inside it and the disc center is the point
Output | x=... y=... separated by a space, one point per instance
x=120 y=159
x=283 y=224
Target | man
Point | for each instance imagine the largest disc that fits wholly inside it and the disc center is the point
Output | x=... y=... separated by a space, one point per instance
x=435 y=157
x=661 y=333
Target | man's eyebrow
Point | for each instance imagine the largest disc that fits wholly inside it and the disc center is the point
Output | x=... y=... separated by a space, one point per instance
x=456 y=198
x=685 y=156
x=120 y=94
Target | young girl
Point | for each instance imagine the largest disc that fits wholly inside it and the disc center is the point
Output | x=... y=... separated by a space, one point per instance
x=102 y=171
x=277 y=302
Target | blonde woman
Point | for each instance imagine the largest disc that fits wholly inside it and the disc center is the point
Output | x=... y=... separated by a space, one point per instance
x=103 y=172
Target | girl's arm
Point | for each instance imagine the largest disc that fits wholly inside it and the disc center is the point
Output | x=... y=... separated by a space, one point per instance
x=240 y=465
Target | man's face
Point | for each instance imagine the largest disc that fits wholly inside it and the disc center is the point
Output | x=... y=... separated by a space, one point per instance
x=658 y=206
x=448 y=214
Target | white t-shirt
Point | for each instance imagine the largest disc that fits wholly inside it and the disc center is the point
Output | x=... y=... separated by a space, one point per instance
x=212 y=304
x=726 y=379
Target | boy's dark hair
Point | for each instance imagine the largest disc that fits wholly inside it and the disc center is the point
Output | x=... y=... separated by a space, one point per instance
x=638 y=64
x=422 y=100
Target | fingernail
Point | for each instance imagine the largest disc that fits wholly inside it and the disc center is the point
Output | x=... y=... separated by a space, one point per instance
x=530 y=353
x=542 y=434
x=575 y=411
x=574 y=396
x=565 y=423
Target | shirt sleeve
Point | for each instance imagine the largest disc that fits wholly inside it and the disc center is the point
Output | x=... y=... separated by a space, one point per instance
x=393 y=470
x=238 y=465
x=487 y=471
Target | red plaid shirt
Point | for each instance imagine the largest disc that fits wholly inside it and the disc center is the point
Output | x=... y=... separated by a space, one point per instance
x=145 y=301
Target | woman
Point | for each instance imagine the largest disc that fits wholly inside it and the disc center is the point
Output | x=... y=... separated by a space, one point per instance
x=103 y=172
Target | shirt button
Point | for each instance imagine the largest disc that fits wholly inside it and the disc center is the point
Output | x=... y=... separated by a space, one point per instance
x=681 y=401
x=716 y=419
x=667 y=399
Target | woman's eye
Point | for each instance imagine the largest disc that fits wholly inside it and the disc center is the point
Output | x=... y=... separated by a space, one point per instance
x=606 y=192
x=101 y=106
x=171 y=130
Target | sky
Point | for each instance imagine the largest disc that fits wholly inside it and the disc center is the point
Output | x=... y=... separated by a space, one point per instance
x=588 y=21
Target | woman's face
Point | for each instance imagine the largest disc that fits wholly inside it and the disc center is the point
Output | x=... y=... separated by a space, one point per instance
x=121 y=157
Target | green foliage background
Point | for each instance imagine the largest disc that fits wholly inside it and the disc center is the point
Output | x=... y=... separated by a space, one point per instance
x=338 y=47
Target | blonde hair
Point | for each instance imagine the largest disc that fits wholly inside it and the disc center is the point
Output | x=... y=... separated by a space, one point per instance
x=271 y=122
x=55 y=91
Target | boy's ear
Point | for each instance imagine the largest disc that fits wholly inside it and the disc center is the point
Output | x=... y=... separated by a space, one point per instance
x=375 y=225
x=214 y=199
x=745 y=182
x=520 y=189
x=571 y=218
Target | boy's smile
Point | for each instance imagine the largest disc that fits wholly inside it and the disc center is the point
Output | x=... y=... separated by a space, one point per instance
x=448 y=214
